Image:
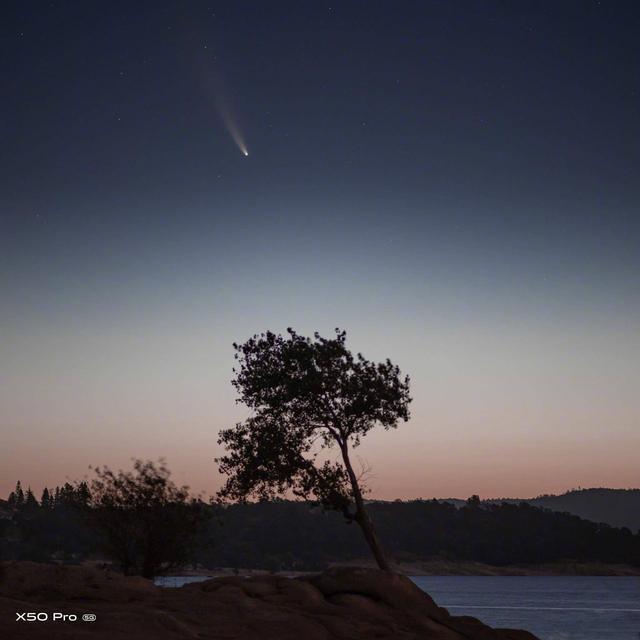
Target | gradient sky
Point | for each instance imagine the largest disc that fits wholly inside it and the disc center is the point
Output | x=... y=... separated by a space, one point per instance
x=454 y=183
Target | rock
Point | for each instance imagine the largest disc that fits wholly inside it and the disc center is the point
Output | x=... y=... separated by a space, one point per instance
x=392 y=589
x=38 y=582
x=341 y=604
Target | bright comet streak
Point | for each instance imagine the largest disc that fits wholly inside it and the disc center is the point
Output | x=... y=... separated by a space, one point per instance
x=221 y=99
x=233 y=128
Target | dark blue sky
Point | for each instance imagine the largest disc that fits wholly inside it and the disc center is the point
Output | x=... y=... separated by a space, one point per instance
x=421 y=173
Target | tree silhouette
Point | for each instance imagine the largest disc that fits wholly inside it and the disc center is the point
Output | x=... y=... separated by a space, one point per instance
x=307 y=395
x=16 y=497
x=45 y=500
x=148 y=524
x=81 y=495
x=30 y=501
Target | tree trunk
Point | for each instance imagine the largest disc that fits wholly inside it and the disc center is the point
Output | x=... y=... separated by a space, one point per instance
x=362 y=517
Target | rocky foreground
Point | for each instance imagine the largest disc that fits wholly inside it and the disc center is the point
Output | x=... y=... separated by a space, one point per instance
x=342 y=603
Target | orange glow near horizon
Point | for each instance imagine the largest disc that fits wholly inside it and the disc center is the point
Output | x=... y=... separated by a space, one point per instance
x=505 y=404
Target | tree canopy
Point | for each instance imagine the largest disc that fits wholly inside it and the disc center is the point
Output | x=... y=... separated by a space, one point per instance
x=306 y=395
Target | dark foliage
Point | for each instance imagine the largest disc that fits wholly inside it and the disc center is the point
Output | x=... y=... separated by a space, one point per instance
x=308 y=394
x=146 y=523
x=297 y=536
x=291 y=535
x=55 y=529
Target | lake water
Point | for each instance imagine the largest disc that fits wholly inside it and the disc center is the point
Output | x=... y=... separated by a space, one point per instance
x=553 y=608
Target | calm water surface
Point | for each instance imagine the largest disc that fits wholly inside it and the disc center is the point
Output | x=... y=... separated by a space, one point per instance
x=553 y=608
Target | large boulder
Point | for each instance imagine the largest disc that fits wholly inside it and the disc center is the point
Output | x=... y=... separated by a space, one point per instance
x=341 y=604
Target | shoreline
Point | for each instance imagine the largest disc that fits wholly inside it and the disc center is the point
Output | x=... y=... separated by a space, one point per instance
x=445 y=568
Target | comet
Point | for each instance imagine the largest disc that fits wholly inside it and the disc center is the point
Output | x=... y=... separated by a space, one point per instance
x=222 y=103
x=230 y=122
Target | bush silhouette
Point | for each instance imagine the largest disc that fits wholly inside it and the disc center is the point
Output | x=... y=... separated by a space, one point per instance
x=147 y=523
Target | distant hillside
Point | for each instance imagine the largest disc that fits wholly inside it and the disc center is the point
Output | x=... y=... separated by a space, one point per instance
x=616 y=507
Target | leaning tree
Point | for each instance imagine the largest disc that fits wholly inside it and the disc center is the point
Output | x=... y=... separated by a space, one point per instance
x=306 y=395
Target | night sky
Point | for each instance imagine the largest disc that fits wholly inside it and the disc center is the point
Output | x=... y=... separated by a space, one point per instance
x=457 y=184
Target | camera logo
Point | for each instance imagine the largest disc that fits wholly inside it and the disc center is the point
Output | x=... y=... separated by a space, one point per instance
x=89 y=617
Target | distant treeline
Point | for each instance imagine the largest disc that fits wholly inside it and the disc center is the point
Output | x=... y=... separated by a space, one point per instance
x=617 y=507
x=291 y=535
x=52 y=528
